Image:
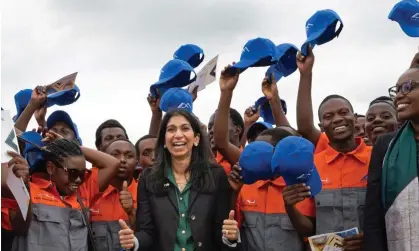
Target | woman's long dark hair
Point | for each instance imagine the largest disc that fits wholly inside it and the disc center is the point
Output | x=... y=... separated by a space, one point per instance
x=201 y=159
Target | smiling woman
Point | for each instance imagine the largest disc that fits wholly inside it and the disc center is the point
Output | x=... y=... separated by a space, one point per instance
x=60 y=191
x=184 y=199
x=392 y=202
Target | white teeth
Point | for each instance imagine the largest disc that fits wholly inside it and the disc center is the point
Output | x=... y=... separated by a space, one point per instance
x=179 y=144
x=340 y=128
x=401 y=105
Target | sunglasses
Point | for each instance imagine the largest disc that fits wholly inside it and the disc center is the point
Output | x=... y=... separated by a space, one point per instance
x=33 y=157
x=404 y=88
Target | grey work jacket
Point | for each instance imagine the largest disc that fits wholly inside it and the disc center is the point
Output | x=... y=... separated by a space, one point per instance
x=340 y=209
x=105 y=235
x=54 y=229
x=269 y=232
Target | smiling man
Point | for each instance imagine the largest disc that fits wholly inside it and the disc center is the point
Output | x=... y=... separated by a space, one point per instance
x=342 y=162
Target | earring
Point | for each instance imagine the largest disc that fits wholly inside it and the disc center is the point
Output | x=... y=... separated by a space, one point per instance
x=51 y=185
x=165 y=146
x=196 y=144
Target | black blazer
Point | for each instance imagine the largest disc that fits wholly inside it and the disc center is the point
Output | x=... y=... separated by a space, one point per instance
x=375 y=237
x=157 y=214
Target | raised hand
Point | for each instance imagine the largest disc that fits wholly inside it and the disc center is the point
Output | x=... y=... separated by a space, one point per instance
x=154 y=103
x=125 y=198
x=251 y=115
x=269 y=88
x=126 y=236
x=305 y=63
x=227 y=81
x=230 y=227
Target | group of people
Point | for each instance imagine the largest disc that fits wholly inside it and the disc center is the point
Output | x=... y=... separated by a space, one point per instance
x=181 y=186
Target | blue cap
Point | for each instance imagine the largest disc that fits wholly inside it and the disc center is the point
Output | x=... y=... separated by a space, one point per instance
x=266 y=110
x=321 y=28
x=256 y=52
x=22 y=99
x=255 y=127
x=190 y=53
x=255 y=162
x=65 y=97
x=176 y=73
x=176 y=98
x=287 y=63
x=62 y=116
x=406 y=14
x=31 y=152
x=293 y=159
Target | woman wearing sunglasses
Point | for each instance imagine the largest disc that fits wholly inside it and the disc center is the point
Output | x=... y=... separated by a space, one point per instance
x=61 y=189
x=392 y=201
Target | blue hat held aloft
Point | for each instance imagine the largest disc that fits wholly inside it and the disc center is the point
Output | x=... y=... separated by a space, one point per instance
x=22 y=99
x=406 y=13
x=293 y=159
x=193 y=54
x=175 y=73
x=321 y=28
x=256 y=52
x=287 y=63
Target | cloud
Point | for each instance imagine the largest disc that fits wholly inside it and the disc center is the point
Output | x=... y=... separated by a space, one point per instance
x=119 y=47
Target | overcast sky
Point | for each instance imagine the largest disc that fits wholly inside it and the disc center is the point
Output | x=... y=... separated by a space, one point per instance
x=118 y=50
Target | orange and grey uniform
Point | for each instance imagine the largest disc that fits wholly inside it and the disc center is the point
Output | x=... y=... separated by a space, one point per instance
x=57 y=223
x=223 y=162
x=105 y=214
x=340 y=204
x=264 y=223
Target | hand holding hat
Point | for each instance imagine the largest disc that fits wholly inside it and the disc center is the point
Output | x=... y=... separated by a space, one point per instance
x=295 y=193
x=305 y=63
x=227 y=81
x=269 y=87
x=251 y=115
x=38 y=97
x=154 y=103
x=235 y=178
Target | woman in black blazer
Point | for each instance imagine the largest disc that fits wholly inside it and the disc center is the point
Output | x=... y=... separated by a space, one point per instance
x=375 y=231
x=184 y=198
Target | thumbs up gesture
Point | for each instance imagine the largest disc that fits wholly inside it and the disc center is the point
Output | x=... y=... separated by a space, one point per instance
x=126 y=236
x=125 y=198
x=230 y=227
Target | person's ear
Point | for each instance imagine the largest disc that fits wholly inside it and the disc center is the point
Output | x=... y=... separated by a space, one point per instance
x=50 y=167
x=321 y=127
x=238 y=130
x=197 y=139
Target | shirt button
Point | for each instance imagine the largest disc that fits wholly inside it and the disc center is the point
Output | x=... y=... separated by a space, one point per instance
x=183 y=231
x=180 y=198
x=193 y=217
x=183 y=249
x=183 y=215
x=199 y=244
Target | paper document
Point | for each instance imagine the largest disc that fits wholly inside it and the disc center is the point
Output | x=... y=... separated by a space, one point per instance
x=205 y=76
x=330 y=241
x=9 y=143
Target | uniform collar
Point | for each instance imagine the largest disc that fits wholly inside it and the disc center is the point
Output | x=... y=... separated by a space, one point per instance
x=359 y=152
x=279 y=182
x=112 y=189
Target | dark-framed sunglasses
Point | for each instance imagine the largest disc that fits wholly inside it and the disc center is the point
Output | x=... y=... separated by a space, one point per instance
x=404 y=88
x=73 y=173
